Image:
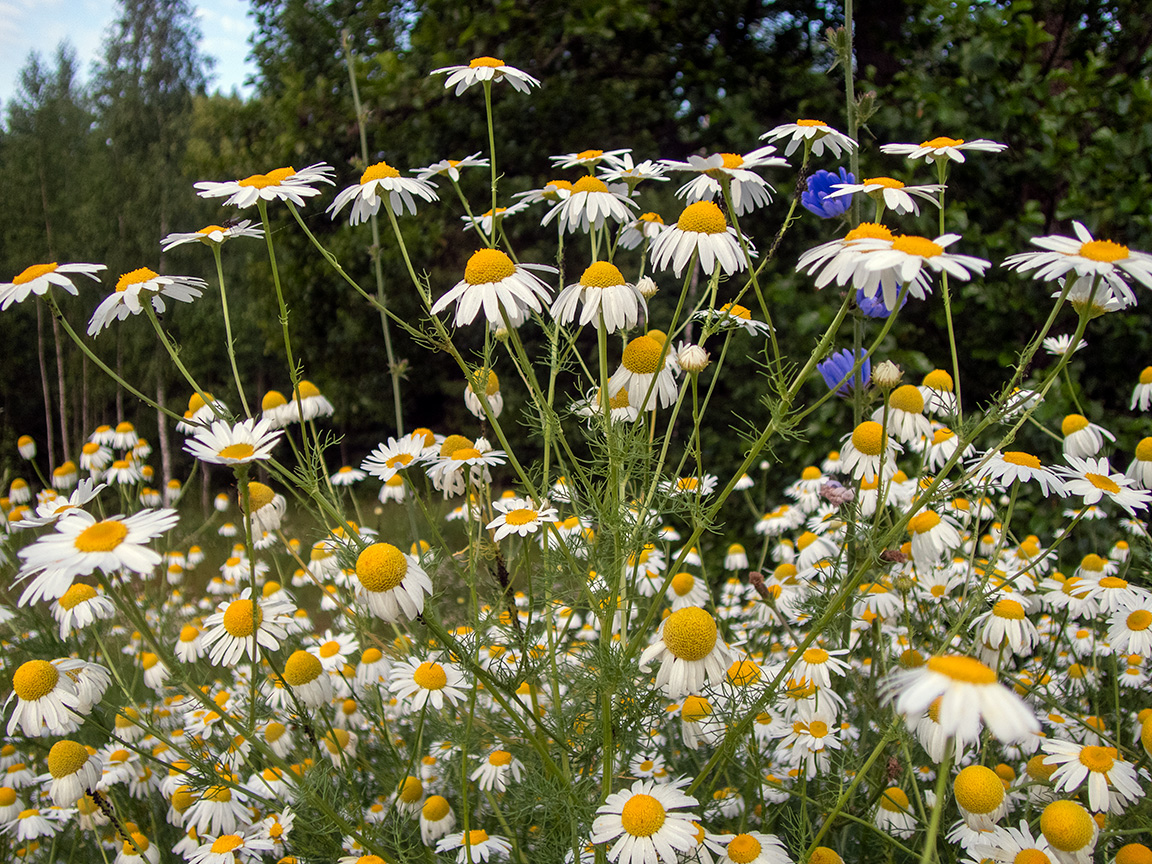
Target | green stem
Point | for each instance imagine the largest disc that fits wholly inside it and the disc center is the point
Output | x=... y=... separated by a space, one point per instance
x=231 y=345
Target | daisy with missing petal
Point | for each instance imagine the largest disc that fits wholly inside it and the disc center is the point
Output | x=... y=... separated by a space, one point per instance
x=139 y=286
x=374 y=182
x=731 y=316
x=248 y=441
x=690 y=653
x=1112 y=784
x=475 y=845
x=607 y=300
x=969 y=695
x=1086 y=256
x=38 y=278
x=283 y=184
x=647 y=823
x=450 y=168
x=908 y=255
x=213 y=235
x=748 y=189
x=48 y=698
x=590 y=204
x=484 y=69
x=82 y=544
x=645 y=229
x=392 y=583
x=647 y=373
x=237 y=627
x=1060 y=345
x=620 y=169
x=701 y=230
x=494 y=283
x=942 y=148
x=811 y=133
x=520 y=516
x=417 y=683
x=891 y=194
x=1004 y=469
x=1093 y=480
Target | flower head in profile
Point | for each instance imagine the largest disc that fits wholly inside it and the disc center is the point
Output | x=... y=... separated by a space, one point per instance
x=748 y=189
x=1094 y=480
x=889 y=194
x=138 y=287
x=495 y=284
x=226 y=444
x=484 y=69
x=942 y=148
x=703 y=230
x=283 y=184
x=450 y=168
x=375 y=182
x=607 y=300
x=38 y=278
x=589 y=204
x=213 y=235
x=814 y=134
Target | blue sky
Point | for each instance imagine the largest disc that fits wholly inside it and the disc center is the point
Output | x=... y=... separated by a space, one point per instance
x=40 y=25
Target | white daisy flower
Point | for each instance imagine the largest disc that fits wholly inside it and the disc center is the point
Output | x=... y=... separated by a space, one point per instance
x=520 y=516
x=647 y=373
x=646 y=824
x=891 y=194
x=621 y=169
x=462 y=462
x=378 y=179
x=38 y=278
x=1012 y=466
x=481 y=69
x=391 y=583
x=1082 y=438
x=450 y=168
x=139 y=286
x=589 y=204
x=867 y=451
x=73 y=769
x=753 y=847
x=1059 y=346
x=427 y=682
x=748 y=189
x=1112 y=783
x=686 y=590
x=907 y=256
x=213 y=235
x=231 y=849
x=905 y=412
x=701 y=230
x=607 y=300
x=494 y=283
x=49 y=697
x=304 y=672
x=588 y=158
x=497 y=768
x=225 y=444
x=475 y=845
x=80 y=606
x=237 y=627
x=436 y=819
x=942 y=148
x=690 y=652
x=1130 y=629
x=387 y=459
x=731 y=316
x=282 y=184
x=1093 y=480
x=811 y=133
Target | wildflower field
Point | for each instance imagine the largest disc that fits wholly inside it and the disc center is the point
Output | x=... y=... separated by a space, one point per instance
x=574 y=630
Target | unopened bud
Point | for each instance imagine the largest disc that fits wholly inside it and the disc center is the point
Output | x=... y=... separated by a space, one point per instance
x=756 y=580
x=893 y=556
x=647 y=287
x=887 y=375
x=693 y=359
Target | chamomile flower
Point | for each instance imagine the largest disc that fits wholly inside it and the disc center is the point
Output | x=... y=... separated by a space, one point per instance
x=1093 y=480
x=519 y=516
x=905 y=412
x=494 y=283
x=891 y=194
x=1006 y=626
x=391 y=583
x=909 y=256
x=80 y=606
x=226 y=444
x=590 y=204
x=1129 y=629
x=701 y=230
x=282 y=184
x=74 y=770
x=646 y=823
x=753 y=847
x=731 y=316
x=436 y=819
x=811 y=133
x=1112 y=783
x=1071 y=832
x=867 y=451
x=969 y=695
x=376 y=181
x=212 y=235
x=238 y=626
x=82 y=544
x=1085 y=256
x=496 y=770
x=38 y=278
x=140 y=286
x=942 y=148
x=450 y=168
x=690 y=652
x=49 y=698
x=894 y=813
x=427 y=682
x=1059 y=346
x=1006 y=468
x=646 y=372
x=607 y=300
x=462 y=462
x=645 y=229
x=239 y=848
x=979 y=794
x=387 y=459
x=474 y=845
x=748 y=189
x=483 y=69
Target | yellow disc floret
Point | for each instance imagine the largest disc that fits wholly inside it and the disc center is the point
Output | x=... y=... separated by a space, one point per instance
x=869 y=438
x=907 y=398
x=101 y=537
x=601 y=274
x=690 y=634
x=703 y=217
x=642 y=815
x=487 y=266
x=642 y=355
x=66 y=758
x=978 y=789
x=34 y=680
x=743 y=848
x=967 y=670
x=302 y=668
x=1067 y=826
x=381 y=567
x=430 y=676
x=242 y=617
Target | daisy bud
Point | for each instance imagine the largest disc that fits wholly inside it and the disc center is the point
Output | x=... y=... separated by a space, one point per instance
x=27 y=447
x=647 y=287
x=693 y=359
x=887 y=375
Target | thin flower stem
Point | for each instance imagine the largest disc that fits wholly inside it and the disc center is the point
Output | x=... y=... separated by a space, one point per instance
x=943 y=775
x=174 y=353
x=293 y=370
x=230 y=344
x=491 y=155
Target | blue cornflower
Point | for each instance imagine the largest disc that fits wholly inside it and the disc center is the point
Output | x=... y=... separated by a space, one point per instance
x=837 y=370
x=819 y=187
x=874 y=306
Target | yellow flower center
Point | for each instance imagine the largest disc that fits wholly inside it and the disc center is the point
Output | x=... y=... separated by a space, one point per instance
x=272 y=178
x=134 y=277
x=869 y=438
x=238 y=451
x=1038 y=769
x=743 y=848
x=602 y=275
x=818 y=729
x=810 y=473
x=242 y=617
x=1144 y=450
x=1027 y=460
x=499 y=758
x=329 y=649
x=920 y=246
x=907 y=398
x=227 y=843
x=381 y=567
x=101 y=537
x=479 y=62
x=868 y=231
x=430 y=676
x=642 y=815
x=824 y=855
x=690 y=634
x=1104 y=251
x=1098 y=759
x=1031 y=856
x=259 y=495
x=76 y=595
x=302 y=667
x=978 y=789
x=411 y=790
x=1073 y=423
x=7 y=796
x=487 y=266
x=967 y=670
x=1134 y=853
x=886 y=182
x=703 y=217
x=894 y=800
x=589 y=184
x=815 y=656
x=1141 y=619
x=1113 y=582
x=743 y=672
x=272 y=399
x=189 y=632
x=466 y=453
x=820 y=124
x=148 y=660
x=642 y=355
x=732 y=160
x=34 y=272
x=35 y=680
x=66 y=758
x=1102 y=482
x=379 y=171
x=943 y=141
x=1010 y=609
x=1067 y=826
x=682 y=583
x=435 y=808
x=521 y=516
x=651 y=217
